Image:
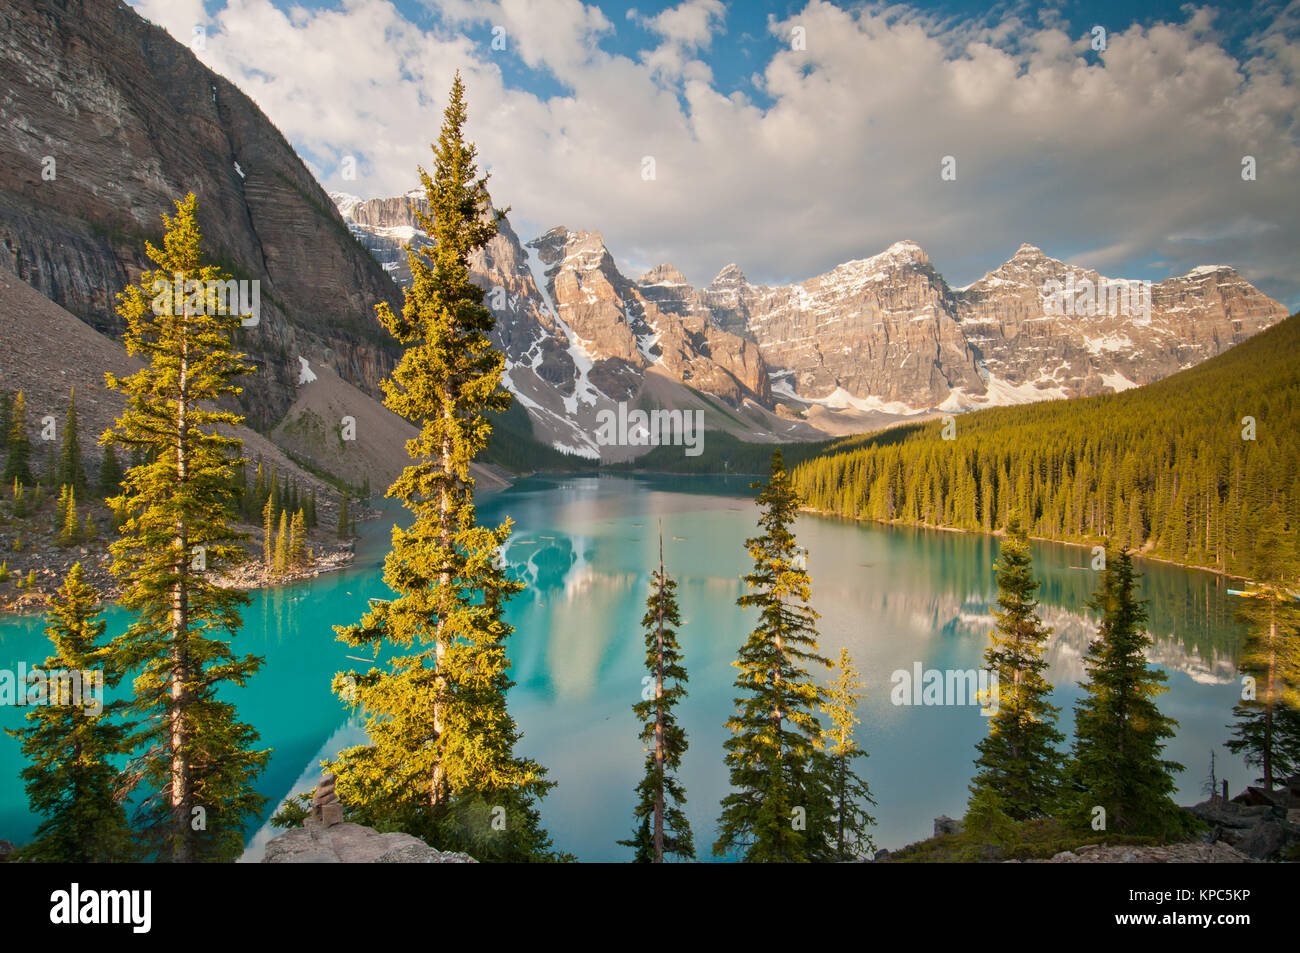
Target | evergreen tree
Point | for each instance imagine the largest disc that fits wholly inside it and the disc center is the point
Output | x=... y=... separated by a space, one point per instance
x=849 y=835
x=1119 y=730
x=70 y=742
x=198 y=763
x=110 y=474
x=268 y=535
x=1267 y=730
x=18 y=445
x=660 y=794
x=1019 y=758
x=297 y=539
x=282 y=545
x=343 y=527
x=72 y=471
x=779 y=809
x=440 y=755
x=311 y=509
x=71 y=531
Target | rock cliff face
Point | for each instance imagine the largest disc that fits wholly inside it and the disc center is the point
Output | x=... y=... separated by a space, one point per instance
x=889 y=333
x=106 y=121
x=869 y=341
x=578 y=336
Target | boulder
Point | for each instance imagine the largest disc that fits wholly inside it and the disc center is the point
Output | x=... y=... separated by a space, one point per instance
x=943 y=824
x=349 y=843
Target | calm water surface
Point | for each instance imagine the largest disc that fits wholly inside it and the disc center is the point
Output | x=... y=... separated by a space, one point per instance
x=586 y=546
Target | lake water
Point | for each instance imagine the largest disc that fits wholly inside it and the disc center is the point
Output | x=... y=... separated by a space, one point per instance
x=586 y=545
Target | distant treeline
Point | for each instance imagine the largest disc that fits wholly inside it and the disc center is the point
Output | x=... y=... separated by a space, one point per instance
x=1189 y=468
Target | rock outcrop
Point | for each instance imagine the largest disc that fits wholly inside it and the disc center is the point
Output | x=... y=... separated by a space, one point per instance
x=325 y=838
x=347 y=843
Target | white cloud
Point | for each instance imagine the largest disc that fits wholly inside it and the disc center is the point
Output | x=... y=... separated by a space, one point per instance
x=1119 y=156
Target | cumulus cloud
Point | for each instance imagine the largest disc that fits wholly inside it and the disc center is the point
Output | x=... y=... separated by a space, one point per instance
x=1128 y=160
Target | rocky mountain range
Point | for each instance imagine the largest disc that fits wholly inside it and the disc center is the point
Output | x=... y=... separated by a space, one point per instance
x=872 y=341
x=106 y=120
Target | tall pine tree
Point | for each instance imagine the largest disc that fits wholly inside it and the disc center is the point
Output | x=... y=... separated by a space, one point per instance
x=440 y=758
x=1018 y=758
x=779 y=808
x=198 y=763
x=662 y=829
x=1119 y=731
x=1267 y=730
x=72 y=471
x=18 y=446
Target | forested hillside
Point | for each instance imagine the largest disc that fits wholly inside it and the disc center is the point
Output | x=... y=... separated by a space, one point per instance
x=1188 y=468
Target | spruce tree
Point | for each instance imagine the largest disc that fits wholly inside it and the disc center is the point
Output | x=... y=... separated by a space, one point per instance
x=71 y=530
x=440 y=756
x=660 y=794
x=1119 y=730
x=1267 y=730
x=18 y=446
x=72 y=471
x=110 y=474
x=779 y=807
x=268 y=535
x=297 y=539
x=71 y=742
x=1019 y=758
x=343 y=526
x=282 y=545
x=849 y=834
x=198 y=762
x=311 y=509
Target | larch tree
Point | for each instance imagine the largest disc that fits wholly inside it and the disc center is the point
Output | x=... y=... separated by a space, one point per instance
x=1019 y=759
x=1120 y=734
x=440 y=758
x=779 y=808
x=1267 y=730
x=198 y=762
x=72 y=741
x=849 y=834
x=662 y=829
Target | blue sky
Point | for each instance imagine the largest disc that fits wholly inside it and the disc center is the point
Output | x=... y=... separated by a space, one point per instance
x=789 y=158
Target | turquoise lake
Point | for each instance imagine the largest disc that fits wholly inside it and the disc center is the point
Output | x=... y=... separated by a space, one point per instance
x=586 y=545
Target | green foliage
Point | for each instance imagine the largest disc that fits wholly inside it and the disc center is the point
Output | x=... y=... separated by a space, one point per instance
x=18 y=447
x=440 y=760
x=72 y=471
x=297 y=540
x=779 y=808
x=198 y=763
x=1163 y=468
x=71 y=742
x=1267 y=730
x=849 y=832
x=1119 y=730
x=110 y=474
x=1018 y=758
x=662 y=829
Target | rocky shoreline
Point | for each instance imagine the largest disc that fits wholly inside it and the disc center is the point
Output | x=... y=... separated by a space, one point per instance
x=46 y=563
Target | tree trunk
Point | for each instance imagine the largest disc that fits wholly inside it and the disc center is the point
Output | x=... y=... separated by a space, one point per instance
x=181 y=796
